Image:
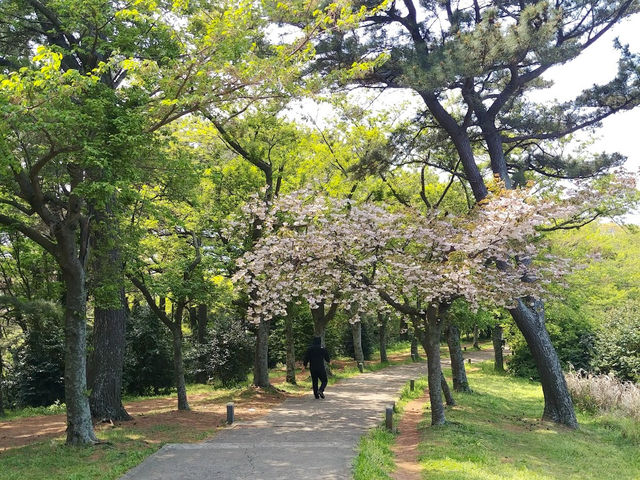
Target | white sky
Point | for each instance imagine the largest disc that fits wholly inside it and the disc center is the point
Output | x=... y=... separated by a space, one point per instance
x=597 y=65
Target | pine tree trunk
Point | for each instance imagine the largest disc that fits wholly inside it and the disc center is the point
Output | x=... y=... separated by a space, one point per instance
x=496 y=336
x=107 y=362
x=291 y=350
x=558 y=406
x=460 y=382
x=356 y=334
x=79 y=424
x=261 y=361
x=382 y=334
x=445 y=390
x=476 y=334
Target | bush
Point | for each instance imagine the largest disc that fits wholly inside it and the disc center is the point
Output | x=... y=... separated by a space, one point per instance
x=618 y=344
x=37 y=378
x=302 y=334
x=231 y=352
x=148 y=366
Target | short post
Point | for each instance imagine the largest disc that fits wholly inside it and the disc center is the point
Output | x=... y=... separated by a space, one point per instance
x=412 y=385
x=230 y=412
x=468 y=360
x=389 y=418
x=465 y=348
x=361 y=367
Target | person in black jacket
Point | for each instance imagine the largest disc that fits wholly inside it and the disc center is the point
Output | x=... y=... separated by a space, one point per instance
x=315 y=356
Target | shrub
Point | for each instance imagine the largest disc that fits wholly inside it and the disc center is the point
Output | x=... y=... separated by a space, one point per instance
x=148 y=366
x=604 y=393
x=231 y=351
x=618 y=344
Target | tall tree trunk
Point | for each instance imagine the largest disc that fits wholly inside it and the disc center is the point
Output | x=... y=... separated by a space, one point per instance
x=356 y=334
x=203 y=320
x=106 y=363
x=79 y=424
x=382 y=335
x=261 y=363
x=414 y=347
x=476 y=335
x=558 y=406
x=430 y=331
x=1 y=384
x=291 y=350
x=460 y=382
x=445 y=390
x=320 y=321
x=496 y=336
x=178 y=366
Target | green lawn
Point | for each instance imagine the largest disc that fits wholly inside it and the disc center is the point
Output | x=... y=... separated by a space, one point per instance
x=494 y=434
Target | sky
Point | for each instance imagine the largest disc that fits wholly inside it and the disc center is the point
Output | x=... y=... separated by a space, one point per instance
x=597 y=65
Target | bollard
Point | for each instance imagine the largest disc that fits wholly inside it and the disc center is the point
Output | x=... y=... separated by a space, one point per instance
x=230 y=409
x=412 y=385
x=389 y=418
x=361 y=367
x=465 y=348
x=468 y=360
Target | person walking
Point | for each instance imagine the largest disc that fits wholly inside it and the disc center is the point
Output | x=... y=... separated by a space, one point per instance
x=315 y=356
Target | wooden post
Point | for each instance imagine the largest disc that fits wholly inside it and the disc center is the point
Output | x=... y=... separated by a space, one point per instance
x=412 y=385
x=389 y=418
x=468 y=360
x=230 y=413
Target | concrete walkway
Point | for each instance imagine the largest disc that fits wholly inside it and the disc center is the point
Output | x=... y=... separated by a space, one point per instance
x=303 y=438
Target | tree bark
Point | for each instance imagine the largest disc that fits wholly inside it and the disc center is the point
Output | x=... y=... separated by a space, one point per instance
x=202 y=317
x=291 y=350
x=106 y=363
x=79 y=424
x=460 y=382
x=558 y=406
x=382 y=335
x=476 y=335
x=261 y=363
x=356 y=334
x=178 y=362
x=445 y=390
x=1 y=385
x=320 y=321
x=414 y=347
x=496 y=336
x=430 y=339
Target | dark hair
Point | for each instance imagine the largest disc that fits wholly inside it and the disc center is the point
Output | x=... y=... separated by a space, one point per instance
x=317 y=341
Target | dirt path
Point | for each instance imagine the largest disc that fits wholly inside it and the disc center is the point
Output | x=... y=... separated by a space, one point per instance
x=405 y=449
x=205 y=413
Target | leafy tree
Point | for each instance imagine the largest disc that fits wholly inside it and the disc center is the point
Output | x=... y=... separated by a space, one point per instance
x=471 y=64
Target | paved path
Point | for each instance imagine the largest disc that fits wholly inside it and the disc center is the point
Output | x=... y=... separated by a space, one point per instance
x=303 y=438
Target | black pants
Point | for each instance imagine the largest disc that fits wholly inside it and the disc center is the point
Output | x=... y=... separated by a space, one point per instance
x=315 y=375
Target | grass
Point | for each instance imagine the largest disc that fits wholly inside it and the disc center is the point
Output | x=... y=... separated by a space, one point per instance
x=494 y=434
x=375 y=458
x=123 y=449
